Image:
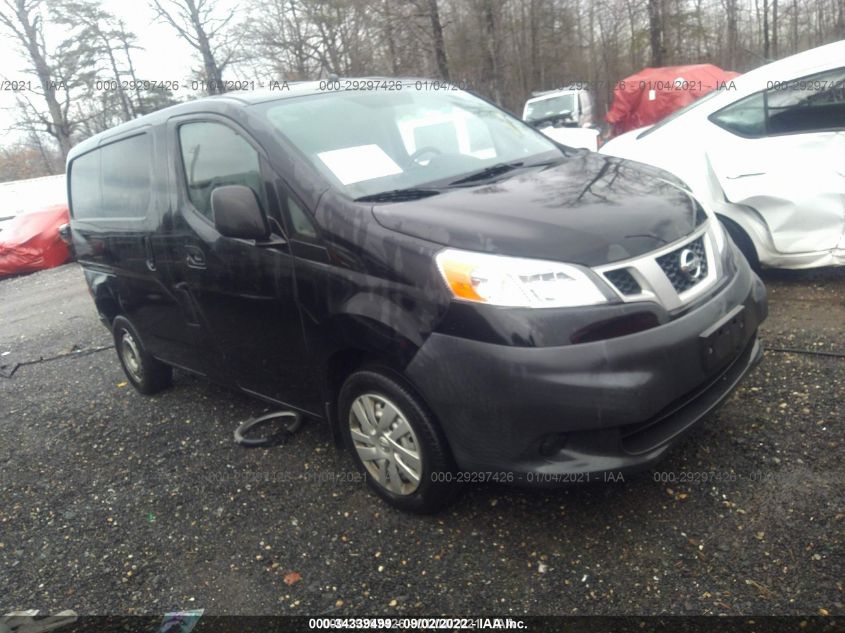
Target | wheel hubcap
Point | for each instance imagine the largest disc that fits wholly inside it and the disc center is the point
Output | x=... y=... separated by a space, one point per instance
x=131 y=356
x=386 y=443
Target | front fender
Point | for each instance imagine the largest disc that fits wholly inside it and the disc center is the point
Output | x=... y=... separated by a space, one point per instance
x=378 y=327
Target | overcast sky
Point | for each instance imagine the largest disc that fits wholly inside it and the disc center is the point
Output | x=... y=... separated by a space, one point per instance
x=165 y=56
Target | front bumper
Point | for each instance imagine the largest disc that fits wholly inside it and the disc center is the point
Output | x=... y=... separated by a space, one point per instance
x=609 y=406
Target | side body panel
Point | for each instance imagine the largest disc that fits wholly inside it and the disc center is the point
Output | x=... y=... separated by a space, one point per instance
x=241 y=295
x=118 y=256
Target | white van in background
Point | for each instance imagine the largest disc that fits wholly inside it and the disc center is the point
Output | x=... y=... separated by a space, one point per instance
x=565 y=115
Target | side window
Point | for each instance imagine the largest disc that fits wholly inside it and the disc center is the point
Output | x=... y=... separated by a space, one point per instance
x=746 y=117
x=126 y=177
x=85 y=185
x=113 y=181
x=300 y=222
x=809 y=104
x=214 y=155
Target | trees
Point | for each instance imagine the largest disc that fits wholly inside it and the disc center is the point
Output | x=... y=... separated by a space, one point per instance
x=69 y=99
x=57 y=71
x=655 y=32
x=503 y=49
x=198 y=22
x=106 y=41
x=26 y=159
x=437 y=36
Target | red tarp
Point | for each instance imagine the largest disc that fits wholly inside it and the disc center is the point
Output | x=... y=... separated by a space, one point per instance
x=31 y=241
x=653 y=93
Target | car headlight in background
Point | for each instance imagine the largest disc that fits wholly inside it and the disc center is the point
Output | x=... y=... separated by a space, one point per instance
x=516 y=282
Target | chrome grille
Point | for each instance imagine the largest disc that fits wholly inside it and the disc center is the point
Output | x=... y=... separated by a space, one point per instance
x=673 y=265
x=659 y=277
x=624 y=281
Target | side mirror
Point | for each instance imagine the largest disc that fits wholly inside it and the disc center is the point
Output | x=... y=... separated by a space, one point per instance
x=237 y=213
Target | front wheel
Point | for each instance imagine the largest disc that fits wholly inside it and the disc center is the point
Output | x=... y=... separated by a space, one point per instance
x=394 y=440
x=146 y=374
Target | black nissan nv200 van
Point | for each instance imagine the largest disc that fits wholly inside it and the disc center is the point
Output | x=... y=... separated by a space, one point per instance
x=460 y=298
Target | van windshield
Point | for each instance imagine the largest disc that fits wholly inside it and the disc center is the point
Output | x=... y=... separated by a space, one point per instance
x=550 y=106
x=371 y=142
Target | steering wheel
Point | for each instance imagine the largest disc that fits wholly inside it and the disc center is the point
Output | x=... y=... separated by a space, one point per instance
x=428 y=149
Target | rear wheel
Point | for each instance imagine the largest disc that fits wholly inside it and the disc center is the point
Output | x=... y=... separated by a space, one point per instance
x=395 y=442
x=146 y=374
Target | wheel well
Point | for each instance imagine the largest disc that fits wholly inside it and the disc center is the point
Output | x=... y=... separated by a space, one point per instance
x=340 y=366
x=107 y=307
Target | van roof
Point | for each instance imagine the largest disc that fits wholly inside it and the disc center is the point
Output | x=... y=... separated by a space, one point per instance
x=276 y=91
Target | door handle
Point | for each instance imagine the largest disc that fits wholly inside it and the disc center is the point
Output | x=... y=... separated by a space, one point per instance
x=194 y=257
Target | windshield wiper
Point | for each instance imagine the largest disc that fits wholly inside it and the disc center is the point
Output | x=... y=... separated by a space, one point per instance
x=487 y=172
x=398 y=195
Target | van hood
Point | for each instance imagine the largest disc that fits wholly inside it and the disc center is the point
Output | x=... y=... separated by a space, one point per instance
x=588 y=209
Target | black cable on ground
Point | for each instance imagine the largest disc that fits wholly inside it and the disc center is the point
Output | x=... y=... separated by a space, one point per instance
x=809 y=352
x=8 y=373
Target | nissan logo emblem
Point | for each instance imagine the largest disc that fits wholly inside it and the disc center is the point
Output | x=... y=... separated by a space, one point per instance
x=692 y=265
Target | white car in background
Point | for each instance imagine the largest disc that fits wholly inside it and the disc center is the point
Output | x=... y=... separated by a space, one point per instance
x=33 y=194
x=565 y=116
x=767 y=155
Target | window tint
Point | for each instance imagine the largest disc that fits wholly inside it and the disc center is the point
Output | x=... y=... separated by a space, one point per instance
x=746 y=117
x=113 y=181
x=126 y=177
x=215 y=155
x=85 y=185
x=809 y=104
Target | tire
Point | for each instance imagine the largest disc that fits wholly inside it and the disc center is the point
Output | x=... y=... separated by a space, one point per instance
x=144 y=372
x=411 y=430
x=743 y=243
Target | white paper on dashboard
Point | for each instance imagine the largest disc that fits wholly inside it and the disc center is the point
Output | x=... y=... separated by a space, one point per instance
x=362 y=162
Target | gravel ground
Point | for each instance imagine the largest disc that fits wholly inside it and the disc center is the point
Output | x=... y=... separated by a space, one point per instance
x=112 y=502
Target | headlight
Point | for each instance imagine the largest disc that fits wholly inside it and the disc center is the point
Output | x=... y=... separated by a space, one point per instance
x=516 y=282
